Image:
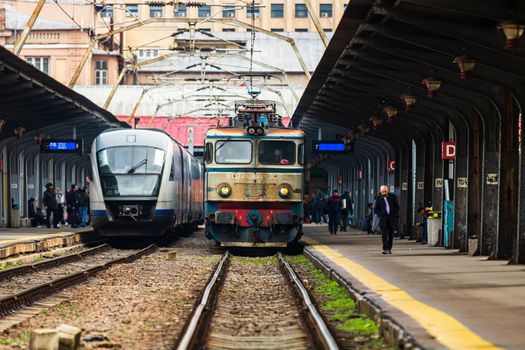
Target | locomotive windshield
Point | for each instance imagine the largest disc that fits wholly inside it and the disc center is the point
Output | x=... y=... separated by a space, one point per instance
x=277 y=152
x=233 y=152
x=130 y=171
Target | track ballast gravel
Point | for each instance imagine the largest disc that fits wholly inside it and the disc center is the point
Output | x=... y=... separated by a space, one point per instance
x=142 y=305
x=256 y=309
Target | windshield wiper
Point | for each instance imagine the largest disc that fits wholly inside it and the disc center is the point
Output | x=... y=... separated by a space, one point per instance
x=138 y=165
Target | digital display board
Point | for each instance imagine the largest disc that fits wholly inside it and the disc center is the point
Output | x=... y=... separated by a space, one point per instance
x=61 y=146
x=332 y=147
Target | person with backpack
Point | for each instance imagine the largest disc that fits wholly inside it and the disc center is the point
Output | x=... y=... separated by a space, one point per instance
x=334 y=209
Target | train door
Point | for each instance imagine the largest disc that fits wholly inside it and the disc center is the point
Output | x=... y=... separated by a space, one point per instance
x=176 y=175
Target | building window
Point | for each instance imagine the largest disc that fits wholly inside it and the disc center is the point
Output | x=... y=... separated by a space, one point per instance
x=205 y=29
x=205 y=11
x=327 y=30
x=179 y=11
x=277 y=10
x=151 y=53
x=228 y=29
x=253 y=11
x=132 y=10
x=301 y=11
x=41 y=63
x=277 y=30
x=107 y=11
x=301 y=30
x=101 y=72
x=155 y=10
x=228 y=11
x=325 y=10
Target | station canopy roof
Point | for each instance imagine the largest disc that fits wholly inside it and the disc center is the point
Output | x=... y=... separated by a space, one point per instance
x=34 y=102
x=384 y=49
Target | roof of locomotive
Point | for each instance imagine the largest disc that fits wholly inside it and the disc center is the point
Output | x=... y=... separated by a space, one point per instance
x=241 y=132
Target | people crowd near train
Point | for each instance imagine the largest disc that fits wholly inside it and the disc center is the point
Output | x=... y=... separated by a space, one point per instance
x=59 y=209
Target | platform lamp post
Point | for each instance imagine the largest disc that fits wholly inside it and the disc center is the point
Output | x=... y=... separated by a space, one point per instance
x=513 y=32
x=433 y=85
x=466 y=65
x=376 y=121
x=390 y=112
x=409 y=99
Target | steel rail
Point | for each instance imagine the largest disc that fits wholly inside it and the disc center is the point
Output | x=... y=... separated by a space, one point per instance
x=195 y=324
x=316 y=323
x=47 y=264
x=11 y=303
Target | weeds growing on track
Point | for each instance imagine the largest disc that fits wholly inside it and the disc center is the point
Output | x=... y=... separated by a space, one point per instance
x=338 y=307
x=22 y=340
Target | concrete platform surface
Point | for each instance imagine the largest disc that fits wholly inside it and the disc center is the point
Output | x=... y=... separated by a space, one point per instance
x=443 y=298
x=30 y=240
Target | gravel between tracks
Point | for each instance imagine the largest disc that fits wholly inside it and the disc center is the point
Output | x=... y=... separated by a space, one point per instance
x=142 y=305
x=256 y=309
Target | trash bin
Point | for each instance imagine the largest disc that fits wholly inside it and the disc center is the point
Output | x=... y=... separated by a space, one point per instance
x=15 y=217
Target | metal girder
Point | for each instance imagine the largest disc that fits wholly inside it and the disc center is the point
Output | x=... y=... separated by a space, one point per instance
x=496 y=10
x=25 y=33
x=491 y=59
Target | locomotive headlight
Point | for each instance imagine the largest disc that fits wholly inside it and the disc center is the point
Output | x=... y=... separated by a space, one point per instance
x=224 y=190
x=284 y=190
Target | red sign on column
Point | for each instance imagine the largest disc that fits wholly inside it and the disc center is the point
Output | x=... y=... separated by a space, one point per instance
x=448 y=150
x=391 y=165
x=340 y=179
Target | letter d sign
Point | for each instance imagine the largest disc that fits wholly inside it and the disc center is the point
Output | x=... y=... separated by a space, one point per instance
x=448 y=150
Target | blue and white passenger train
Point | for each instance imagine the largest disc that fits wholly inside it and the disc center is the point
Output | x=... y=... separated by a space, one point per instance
x=144 y=184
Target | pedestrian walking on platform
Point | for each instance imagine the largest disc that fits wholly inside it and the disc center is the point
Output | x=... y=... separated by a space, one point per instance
x=49 y=200
x=387 y=209
x=334 y=209
x=346 y=208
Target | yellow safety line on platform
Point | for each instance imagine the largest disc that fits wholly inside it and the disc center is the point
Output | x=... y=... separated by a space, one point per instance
x=41 y=236
x=443 y=327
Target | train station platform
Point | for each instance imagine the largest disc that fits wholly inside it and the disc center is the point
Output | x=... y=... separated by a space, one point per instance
x=30 y=240
x=444 y=299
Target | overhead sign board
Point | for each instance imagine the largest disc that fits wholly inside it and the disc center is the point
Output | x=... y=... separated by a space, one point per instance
x=332 y=147
x=61 y=146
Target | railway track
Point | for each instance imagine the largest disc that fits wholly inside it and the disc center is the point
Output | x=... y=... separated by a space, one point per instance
x=255 y=304
x=22 y=286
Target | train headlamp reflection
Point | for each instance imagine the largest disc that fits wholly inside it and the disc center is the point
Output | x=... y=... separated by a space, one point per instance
x=284 y=190
x=224 y=190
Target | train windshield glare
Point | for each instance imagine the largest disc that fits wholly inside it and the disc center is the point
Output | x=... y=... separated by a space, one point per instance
x=130 y=171
x=277 y=152
x=233 y=152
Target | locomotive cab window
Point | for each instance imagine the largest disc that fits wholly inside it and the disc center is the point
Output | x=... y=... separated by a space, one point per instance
x=208 y=153
x=277 y=152
x=301 y=154
x=233 y=152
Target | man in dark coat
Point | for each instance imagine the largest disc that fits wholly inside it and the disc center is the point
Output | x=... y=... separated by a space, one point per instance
x=49 y=200
x=73 y=216
x=387 y=208
x=334 y=209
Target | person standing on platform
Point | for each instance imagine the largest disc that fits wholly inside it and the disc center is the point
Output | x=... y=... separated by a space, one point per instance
x=72 y=207
x=49 y=200
x=346 y=205
x=387 y=209
x=423 y=224
x=83 y=207
x=334 y=212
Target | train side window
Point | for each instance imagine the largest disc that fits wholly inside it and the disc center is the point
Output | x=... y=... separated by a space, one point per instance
x=208 y=153
x=301 y=154
x=172 y=171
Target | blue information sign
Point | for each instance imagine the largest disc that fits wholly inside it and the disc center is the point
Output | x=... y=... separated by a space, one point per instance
x=332 y=147
x=61 y=146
